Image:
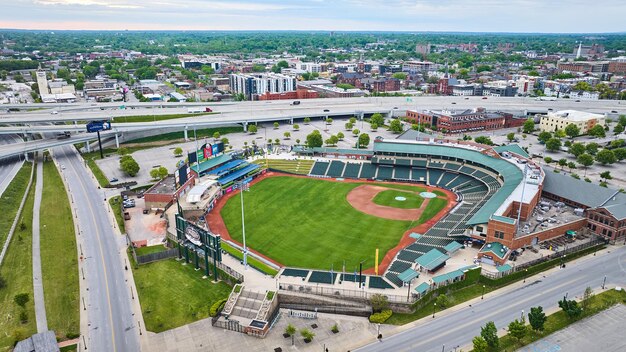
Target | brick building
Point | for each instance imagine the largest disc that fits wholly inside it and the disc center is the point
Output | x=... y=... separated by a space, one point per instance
x=300 y=93
x=464 y=121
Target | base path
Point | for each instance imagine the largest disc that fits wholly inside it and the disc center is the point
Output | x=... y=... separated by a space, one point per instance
x=40 y=306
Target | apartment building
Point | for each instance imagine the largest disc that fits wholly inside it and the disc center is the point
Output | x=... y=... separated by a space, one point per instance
x=254 y=85
x=560 y=119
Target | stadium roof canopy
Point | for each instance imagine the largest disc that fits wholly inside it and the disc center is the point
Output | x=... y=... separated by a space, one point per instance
x=512 y=174
x=512 y=148
x=408 y=275
x=422 y=288
x=432 y=259
x=211 y=163
x=581 y=192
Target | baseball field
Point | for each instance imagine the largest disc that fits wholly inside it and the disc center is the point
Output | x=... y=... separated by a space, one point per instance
x=314 y=223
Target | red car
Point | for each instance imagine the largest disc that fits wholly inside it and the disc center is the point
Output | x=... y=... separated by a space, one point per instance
x=484 y=97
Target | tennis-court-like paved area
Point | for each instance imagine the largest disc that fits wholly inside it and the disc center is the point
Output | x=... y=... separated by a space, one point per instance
x=602 y=332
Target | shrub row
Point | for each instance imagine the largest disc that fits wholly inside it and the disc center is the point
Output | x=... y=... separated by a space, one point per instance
x=381 y=317
x=217 y=307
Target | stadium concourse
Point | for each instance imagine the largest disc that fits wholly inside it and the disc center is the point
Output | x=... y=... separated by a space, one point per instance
x=488 y=184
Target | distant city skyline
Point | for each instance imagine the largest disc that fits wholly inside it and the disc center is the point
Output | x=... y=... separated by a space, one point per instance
x=527 y=16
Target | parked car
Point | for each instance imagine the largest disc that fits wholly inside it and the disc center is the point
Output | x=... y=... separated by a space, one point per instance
x=296 y=102
x=484 y=98
x=113 y=180
x=326 y=110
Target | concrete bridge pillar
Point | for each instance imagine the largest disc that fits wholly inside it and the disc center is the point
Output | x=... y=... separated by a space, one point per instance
x=291 y=121
x=185 y=131
x=245 y=126
x=117 y=141
x=88 y=147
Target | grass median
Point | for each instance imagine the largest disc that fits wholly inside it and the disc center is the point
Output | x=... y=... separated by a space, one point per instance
x=60 y=272
x=11 y=199
x=116 y=207
x=172 y=294
x=17 y=272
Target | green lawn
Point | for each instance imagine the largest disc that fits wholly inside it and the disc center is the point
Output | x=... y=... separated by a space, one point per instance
x=300 y=166
x=262 y=267
x=11 y=199
x=100 y=176
x=388 y=198
x=201 y=133
x=116 y=208
x=172 y=294
x=60 y=272
x=309 y=223
x=17 y=271
x=150 y=249
x=148 y=118
x=559 y=320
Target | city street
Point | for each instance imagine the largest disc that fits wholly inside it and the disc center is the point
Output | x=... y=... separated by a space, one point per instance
x=110 y=320
x=457 y=326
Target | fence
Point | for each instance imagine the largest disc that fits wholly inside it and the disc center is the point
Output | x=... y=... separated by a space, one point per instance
x=153 y=257
x=556 y=255
x=306 y=311
x=361 y=294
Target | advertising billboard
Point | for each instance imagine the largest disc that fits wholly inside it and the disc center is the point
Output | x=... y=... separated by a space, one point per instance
x=97 y=126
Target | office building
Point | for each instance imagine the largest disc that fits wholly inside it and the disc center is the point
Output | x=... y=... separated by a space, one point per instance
x=560 y=119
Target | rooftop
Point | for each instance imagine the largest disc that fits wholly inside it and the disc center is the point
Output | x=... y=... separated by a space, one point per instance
x=496 y=248
x=165 y=186
x=512 y=148
x=211 y=163
x=575 y=115
x=585 y=193
x=432 y=259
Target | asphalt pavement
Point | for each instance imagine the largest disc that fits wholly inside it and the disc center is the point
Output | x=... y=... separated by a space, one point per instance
x=454 y=328
x=8 y=167
x=111 y=323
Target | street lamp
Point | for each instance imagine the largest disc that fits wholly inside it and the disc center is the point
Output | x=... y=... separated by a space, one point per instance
x=434 y=308
x=483 y=295
x=525 y=275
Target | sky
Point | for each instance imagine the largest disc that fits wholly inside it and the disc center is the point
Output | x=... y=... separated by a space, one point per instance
x=545 y=16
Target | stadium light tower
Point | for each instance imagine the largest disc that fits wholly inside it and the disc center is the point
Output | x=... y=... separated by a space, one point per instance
x=243 y=186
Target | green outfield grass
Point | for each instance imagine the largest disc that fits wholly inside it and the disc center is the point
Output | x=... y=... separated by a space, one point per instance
x=304 y=222
x=299 y=166
x=388 y=198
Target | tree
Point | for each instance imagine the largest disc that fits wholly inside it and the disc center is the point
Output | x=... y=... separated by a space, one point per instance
x=577 y=149
x=307 y=334
x=178 y=151
x=378 y=119
x=480 y=345
x=490 y=333
x=529 y=126
x=314 y=139
x=592 y=148
x=129 y=165
x=349 y=126
x=356 y=132
x=352 y=120
x=548 y=159
x=537 y=318
x=582 y=85
x=290 y=330
x=553 y=144
x=123 y=151
x=559 y=134
x=606 y=156
x=571 y=165
x=296 y=127
x=276 y=124
x=252 y=129
x=544 y=136
x=154 y=173
x=224 y=141
x=395 y=126
x=483 y=140
x=374 y=126
x=399 y=75
x=307 y=120
x=21 y=299
x=442 y=301
x=562 y=163
x=571 y=308
x=618 y=143
x=297 y=141
x=216 y=135
x=586 y=297
x=597 y=131
x=620 y=153
x=341 y=136
x=379 y=302
x=287 y=135
x=619 y=128
x=364 y=140
x=329 y=121
x=622 y=120
x=510 y=136
x=517 y=329
x=585 y=160
x=277 y=141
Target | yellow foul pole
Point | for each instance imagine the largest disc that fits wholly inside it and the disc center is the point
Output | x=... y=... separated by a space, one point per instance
x=376 y=263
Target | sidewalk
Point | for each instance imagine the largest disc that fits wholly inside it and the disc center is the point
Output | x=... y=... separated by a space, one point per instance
x=40 y=306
